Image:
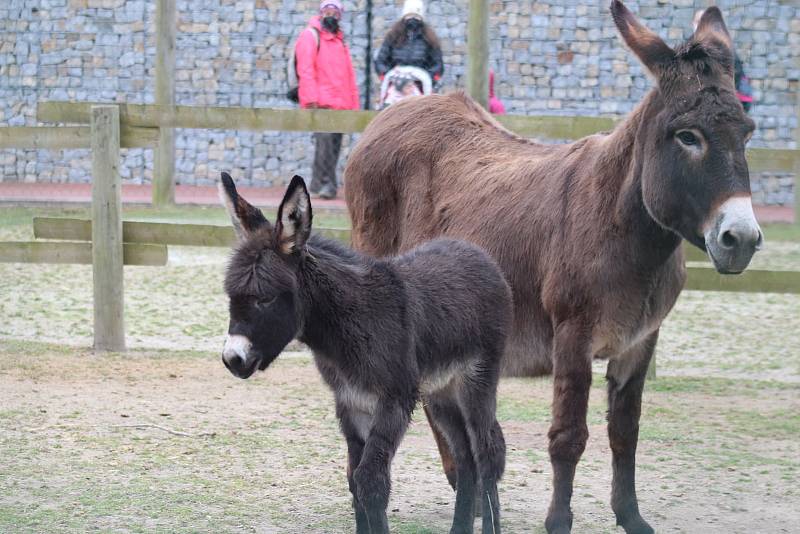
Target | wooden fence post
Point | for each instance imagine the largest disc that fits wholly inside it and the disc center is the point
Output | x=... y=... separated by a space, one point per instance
x=797 y=159
x=478 y=51
x=109 y=328
x=164 y=163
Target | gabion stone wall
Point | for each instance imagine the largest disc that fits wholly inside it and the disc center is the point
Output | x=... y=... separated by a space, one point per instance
x=550 y=57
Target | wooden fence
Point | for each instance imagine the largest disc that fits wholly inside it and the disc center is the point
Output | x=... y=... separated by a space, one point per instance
x=105 y=128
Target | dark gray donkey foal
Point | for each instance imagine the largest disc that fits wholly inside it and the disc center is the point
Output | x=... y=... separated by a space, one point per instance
x=429 y=324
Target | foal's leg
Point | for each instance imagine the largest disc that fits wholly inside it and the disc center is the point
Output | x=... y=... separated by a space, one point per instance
x=372 y=477
x=448 y=462
x=625 y=378
x=572 y=378
x=446 y=417
x=355 y=448
x=478 y=402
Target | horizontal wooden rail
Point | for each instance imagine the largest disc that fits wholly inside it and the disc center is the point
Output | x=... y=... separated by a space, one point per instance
x=225 y=118
x=45 y=137
x=556 y=126
x=200 y=235
x=301 y=120
x=692 y=253
x=70 y=137
x=81 y=253
x=750 y=281
x=699 y=278
x=150 y=116
x=195 y=235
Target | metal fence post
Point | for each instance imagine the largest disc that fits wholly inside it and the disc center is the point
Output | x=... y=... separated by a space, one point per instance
x=107 y=259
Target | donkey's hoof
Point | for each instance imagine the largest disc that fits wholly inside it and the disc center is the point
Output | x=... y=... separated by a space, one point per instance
x=636 y=525
x=558 y=523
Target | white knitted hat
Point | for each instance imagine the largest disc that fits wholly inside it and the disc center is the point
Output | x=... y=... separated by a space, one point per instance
x=414 y=7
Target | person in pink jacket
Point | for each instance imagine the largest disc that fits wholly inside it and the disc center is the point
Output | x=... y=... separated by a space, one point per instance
x=326 y=79
x=495 y=105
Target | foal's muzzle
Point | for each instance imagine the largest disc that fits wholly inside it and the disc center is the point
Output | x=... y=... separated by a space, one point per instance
x=733 y=236
x=237 y=356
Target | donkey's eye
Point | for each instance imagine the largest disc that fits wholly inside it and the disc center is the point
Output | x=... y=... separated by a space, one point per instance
x=687 y=138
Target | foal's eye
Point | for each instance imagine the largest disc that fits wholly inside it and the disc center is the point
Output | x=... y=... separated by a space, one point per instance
x=263 y=304
x=687 y=138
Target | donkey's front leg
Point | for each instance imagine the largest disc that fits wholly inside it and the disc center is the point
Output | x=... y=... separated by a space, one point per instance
x=572 y=378
x=626 y=377
x=372 y=477
x=355 y=449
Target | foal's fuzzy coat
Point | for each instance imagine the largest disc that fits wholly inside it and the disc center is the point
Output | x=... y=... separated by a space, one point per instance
x=429 y=324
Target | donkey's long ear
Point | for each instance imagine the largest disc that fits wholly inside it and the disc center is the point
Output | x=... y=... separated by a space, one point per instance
x=648 y=47
x=712 y=28
x=246 y=219
x=294 y=217
x=713 y=38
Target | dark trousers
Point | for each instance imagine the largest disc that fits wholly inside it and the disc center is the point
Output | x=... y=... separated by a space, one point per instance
x=326 y=155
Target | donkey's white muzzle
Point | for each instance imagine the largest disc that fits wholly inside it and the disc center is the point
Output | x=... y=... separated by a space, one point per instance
x=733 y=235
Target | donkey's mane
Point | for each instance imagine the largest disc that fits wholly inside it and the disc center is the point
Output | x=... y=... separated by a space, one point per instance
x=251 y=273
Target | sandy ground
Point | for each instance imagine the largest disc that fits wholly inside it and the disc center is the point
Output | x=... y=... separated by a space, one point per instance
x=165 y=441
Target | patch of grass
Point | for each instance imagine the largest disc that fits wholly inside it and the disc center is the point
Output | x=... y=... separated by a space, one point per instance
x=781 y=232
x=714 y=386
x=412 y=528
x=522 y=410
x=778 y=424
x=16 y=347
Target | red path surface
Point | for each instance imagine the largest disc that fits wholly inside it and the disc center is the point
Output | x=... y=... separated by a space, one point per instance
x=14 y=192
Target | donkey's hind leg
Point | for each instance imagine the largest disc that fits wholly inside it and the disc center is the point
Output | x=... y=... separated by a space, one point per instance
x=446 y=417
x=477 y=396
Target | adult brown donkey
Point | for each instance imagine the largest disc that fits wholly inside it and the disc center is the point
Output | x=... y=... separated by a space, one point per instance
x=586 y=233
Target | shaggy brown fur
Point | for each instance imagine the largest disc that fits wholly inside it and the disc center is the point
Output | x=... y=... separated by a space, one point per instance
x=586 y=233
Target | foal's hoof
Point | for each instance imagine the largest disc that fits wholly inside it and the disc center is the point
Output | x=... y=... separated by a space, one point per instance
x=558 y=523
x=636 y=525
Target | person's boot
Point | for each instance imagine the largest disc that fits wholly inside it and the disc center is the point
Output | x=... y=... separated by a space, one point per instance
x=327 y=192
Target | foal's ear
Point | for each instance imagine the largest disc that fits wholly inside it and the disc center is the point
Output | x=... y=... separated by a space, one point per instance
x=654 y=53
x=246 y=219
x=294 y=217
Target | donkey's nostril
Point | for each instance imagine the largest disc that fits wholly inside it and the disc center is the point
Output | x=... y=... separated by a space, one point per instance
x=229 y=359
x=728 y=239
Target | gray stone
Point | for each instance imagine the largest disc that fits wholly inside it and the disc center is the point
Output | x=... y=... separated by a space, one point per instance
x=234 y=53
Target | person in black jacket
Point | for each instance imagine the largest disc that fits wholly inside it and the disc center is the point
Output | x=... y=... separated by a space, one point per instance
x=412 y=42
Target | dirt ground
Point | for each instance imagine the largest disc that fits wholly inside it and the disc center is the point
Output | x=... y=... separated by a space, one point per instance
x=171 y=442
x=164 y=439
